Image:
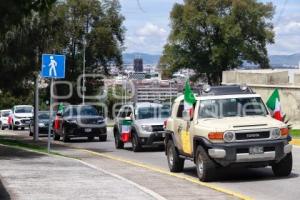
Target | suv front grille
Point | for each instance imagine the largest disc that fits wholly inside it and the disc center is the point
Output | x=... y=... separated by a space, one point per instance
x=252 y=135
x=157 y=128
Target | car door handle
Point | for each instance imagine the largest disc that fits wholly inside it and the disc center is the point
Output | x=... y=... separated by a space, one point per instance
x=179 y=128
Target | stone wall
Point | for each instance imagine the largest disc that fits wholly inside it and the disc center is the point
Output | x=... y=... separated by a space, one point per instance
x=265 y=83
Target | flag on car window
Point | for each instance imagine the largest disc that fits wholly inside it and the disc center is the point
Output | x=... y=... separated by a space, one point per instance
x=189 y=97
x=273 y=104
x=126 y=130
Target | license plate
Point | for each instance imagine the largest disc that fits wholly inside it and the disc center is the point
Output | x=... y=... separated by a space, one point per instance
x=88 y=130
x=256 y=150
x=27 y=122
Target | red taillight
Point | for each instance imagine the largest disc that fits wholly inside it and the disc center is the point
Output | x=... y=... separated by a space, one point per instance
x=215 y=135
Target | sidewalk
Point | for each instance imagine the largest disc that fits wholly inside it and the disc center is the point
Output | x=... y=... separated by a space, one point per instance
x=29 y=175
x=159 y=185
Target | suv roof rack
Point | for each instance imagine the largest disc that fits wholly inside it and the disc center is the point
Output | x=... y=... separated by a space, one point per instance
x=225 y=90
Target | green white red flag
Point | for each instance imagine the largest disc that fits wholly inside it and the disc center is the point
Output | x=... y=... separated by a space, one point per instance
x=273 y=104
x=189 y=97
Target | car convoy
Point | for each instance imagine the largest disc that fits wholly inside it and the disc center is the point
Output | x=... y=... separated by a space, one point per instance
x=229 y=126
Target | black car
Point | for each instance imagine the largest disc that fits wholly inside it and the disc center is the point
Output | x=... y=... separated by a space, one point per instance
x=44 y=118
x=80 y=121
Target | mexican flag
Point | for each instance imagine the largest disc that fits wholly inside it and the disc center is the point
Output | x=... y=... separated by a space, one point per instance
x=273 y=104
x=189 y=98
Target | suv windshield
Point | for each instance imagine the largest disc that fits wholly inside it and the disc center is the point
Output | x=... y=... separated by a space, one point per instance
x=153 y=112
x=23 y=109
x=5 y=114
x=232 y=107
x=84 y=111
x=44 y=116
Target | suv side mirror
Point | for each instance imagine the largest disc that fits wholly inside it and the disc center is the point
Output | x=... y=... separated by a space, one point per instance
x=186 y=115
x=128 y=118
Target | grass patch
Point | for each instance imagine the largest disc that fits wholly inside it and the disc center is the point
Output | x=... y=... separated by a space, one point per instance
x=23 y=145
x=295 y=132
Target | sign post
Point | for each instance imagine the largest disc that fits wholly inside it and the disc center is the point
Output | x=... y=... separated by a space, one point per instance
x=53 y=67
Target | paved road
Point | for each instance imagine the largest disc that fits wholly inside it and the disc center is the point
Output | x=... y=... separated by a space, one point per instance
x=256 y=183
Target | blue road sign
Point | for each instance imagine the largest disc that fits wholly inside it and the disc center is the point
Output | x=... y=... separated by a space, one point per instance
x=53 y=66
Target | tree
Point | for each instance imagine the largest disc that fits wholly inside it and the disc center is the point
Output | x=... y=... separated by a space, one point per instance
x=99 y=24
x=25 y=33
x=210 y=36
x=43 y=26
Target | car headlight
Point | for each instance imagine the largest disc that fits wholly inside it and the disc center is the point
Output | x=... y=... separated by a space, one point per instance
x=275 y=133
x=100 y=121
x=228 y=136
x=147 y=128
x=41 y=125
x=72 y=121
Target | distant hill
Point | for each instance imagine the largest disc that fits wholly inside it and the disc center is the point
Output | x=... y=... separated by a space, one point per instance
x=147 y=58
x=284 y=60
x=275 y=60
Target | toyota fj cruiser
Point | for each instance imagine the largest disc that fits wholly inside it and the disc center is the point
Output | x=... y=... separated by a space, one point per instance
x=230 y=126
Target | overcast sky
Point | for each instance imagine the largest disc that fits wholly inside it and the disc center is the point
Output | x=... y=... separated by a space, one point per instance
x=147 y=24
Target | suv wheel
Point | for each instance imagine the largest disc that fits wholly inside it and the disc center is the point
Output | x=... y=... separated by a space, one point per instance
x=103 y=138
x=65 y=136
x=206 y=168
x=283 y=167
x=56 y=136
x=176 y=164
x=118 y=143
x=136 y=142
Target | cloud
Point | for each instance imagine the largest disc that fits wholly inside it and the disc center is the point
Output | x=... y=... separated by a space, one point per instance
x=150 y=29
x=287 y=35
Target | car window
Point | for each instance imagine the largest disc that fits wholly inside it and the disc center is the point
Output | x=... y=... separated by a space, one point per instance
x=44 y=116
x=5 y=114
x=66 y=113
x=88 y=111
x=23 y=109
x=122 y=113
x=180 y=109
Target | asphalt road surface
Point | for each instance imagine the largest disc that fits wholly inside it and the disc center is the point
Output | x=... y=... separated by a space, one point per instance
x=258 y=183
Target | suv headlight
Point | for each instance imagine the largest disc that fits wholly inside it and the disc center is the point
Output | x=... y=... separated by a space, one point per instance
x=41 y=125
x=72 y=121
x=228 y=136
x=147 y=128
x=275 y=133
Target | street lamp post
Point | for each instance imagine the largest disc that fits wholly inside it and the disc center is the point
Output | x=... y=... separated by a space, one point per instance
x=83 y=72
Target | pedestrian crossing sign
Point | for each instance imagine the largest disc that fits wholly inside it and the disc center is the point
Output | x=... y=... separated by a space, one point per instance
x=53 y=66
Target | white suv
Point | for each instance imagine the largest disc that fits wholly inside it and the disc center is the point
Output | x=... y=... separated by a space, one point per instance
x=4 y=114
x=21 y=116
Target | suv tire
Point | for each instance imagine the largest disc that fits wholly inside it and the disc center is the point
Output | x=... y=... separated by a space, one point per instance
x=56 y=136
x=118 y=143
x=65 y=135
x=206 y=168
x=283 y=167
x=136 y=142
x=175 y=163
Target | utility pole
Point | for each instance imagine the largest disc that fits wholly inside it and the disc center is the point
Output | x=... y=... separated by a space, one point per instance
x=36 y=101
x=86 y=29
x=36 y=109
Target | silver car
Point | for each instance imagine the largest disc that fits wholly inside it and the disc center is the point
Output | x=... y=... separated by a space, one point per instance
x=147 y=126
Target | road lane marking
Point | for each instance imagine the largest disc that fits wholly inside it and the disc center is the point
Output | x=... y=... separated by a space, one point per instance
x=162 y=171
x=295 y=142
x=142 y=188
